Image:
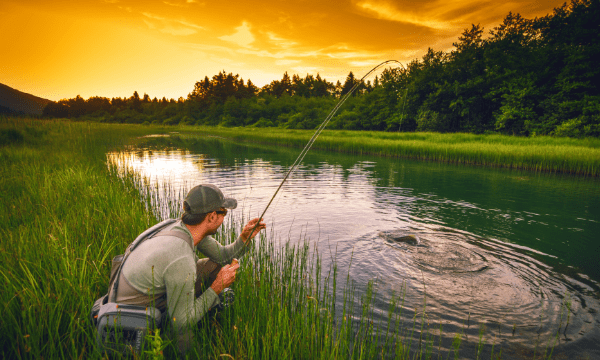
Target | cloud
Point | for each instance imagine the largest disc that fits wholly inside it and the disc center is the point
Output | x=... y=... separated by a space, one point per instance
x=242 y=37
x=279 y=41
x=149 y=24
x=386 y=11
x=186 y=4
x=171 y=26
x=177 y=30
x=278 y=54
x=343 y=51
x=286 y=62
x=305 y=69
x=173 y=4
x=364 y=63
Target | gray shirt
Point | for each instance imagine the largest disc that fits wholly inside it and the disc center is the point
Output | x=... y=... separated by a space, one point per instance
x=167 y=264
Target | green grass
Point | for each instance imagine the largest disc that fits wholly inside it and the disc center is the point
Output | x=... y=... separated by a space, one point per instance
x=62 y=218
x=543 y=153
x=64 y=214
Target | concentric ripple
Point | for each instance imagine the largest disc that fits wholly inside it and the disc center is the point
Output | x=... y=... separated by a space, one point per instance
x=447 y=257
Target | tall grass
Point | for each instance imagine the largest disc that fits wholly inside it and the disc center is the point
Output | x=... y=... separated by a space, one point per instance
x=64 y=214
x=62 y=218
x=543 y=153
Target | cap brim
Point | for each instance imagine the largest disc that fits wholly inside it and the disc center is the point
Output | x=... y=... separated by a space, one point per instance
x=229 y=203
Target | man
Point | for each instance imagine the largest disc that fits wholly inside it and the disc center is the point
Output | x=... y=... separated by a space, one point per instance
x=167 y=264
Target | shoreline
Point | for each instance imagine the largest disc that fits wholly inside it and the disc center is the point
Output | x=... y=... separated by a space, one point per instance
x=579 y=157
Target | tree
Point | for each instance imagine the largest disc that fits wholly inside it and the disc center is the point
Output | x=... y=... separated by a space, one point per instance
x=348 y=84
x=136 y=103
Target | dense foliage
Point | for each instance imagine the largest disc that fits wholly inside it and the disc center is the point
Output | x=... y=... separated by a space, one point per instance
x=525 y=77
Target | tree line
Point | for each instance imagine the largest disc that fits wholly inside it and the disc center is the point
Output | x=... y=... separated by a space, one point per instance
x=524 y=77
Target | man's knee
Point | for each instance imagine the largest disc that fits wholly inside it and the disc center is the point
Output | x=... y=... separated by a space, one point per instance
x=206 y=273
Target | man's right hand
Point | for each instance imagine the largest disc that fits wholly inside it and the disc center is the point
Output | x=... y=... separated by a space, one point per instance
x=225 y=278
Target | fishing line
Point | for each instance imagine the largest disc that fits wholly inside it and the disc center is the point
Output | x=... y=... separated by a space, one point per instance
x=317 y=133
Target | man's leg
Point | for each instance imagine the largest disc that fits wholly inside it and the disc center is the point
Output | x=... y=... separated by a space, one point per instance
x=206 y=273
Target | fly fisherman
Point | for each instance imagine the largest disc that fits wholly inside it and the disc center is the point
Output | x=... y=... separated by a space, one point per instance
x=168 y=265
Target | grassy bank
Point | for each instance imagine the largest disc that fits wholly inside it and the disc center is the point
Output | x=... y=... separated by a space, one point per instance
x=543 y=153
x=62 y=218
x=64 y=214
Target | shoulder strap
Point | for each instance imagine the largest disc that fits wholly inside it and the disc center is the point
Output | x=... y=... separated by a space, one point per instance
x=178 y=234
x=149 y=233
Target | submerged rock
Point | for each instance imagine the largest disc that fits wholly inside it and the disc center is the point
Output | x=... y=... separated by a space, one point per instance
x=400 y=237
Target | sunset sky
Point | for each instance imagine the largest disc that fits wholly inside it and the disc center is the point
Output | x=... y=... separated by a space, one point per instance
x=60 y=49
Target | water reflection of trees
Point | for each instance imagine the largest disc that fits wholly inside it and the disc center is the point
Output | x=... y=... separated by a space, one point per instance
x=535 y=210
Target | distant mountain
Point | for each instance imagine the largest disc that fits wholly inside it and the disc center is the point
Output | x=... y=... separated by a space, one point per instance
x=16 y=101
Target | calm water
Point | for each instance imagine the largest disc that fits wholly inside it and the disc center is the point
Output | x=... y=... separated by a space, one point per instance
x=496 y=247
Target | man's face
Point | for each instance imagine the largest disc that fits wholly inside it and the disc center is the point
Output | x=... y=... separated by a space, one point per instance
x=219 y=216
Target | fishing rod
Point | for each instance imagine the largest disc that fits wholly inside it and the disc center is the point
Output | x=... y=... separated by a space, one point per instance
x=316 y=135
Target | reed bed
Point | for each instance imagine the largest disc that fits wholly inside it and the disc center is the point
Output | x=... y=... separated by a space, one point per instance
x=543 y=153
x=65 y=213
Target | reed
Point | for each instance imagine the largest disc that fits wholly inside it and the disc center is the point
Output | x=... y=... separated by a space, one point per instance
x=542 y=153
x=65 y=212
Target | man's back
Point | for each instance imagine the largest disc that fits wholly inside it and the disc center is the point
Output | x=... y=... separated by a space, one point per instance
x=165 y=265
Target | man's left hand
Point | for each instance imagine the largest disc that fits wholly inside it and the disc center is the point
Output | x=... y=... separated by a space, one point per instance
x=248 y=228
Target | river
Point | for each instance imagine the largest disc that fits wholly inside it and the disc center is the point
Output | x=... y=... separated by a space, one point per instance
x=505 y=248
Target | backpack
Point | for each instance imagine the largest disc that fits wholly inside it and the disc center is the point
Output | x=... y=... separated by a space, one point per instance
x=122 y=328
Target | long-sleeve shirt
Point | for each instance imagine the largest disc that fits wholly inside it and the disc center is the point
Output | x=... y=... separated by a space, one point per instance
x=167 y=264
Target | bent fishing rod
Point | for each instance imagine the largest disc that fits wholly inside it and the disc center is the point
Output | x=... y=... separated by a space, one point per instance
x=316 y=135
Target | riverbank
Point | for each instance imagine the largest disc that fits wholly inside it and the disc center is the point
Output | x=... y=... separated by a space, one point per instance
x=543 y=153
x=65 y=214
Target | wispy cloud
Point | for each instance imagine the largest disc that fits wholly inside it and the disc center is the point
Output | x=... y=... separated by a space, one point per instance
x=388 y=11
x=173 y=4
x=305 y=69
x=280 y=42
x=242 y=37
x=343 y=51
x=286 y=62
x=171 y=26
x=181 y=4
x=364 y=63
x=339 y=52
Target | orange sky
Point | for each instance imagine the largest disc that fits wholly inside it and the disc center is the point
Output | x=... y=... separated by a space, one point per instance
x=59 y=49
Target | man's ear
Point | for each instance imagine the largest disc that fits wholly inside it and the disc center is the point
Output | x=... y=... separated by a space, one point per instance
x=211 y=217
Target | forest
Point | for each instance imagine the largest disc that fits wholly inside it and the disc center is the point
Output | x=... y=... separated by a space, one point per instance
x=524 y=77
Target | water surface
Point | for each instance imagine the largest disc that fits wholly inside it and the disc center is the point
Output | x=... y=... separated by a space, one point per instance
x=508 y=249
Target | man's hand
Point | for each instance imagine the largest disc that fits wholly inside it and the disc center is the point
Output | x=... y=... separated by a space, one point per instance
x=248 y=228
x=225 y=277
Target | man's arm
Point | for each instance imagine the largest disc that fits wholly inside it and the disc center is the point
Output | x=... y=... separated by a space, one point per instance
x=221 y=254
x=184 y=308
x=225 y=254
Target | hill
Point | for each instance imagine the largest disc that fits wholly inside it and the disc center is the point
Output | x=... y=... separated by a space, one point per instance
x=15 y=101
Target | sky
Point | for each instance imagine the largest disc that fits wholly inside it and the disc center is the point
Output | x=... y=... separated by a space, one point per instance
x=59 y=49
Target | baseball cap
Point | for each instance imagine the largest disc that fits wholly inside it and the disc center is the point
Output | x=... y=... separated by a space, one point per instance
x=207 y=198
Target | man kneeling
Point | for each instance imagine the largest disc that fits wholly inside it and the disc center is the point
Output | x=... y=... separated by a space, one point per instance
x=165 y=272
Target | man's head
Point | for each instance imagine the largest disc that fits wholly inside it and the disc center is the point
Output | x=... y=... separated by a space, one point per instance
x=203 y=200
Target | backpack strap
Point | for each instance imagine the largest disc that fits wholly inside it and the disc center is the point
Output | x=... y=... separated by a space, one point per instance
x=149 y=233
x=178 y=234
